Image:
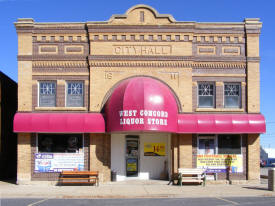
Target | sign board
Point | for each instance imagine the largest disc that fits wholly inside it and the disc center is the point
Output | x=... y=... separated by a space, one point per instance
x=57 y=162
x=220 y=163
x=131 y=165
x=154 y=149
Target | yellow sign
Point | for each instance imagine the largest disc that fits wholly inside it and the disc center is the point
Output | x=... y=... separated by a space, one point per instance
x=154 y=149
x=131 y=165
x=221 y=163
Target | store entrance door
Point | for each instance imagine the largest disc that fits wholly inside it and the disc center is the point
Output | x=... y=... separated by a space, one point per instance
x=132 y=155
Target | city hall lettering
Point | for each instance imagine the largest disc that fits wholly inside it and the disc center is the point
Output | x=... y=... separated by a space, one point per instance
x=134 y=117
x=142 y=50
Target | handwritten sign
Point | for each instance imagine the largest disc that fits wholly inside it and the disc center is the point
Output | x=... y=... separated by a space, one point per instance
x=154 y=149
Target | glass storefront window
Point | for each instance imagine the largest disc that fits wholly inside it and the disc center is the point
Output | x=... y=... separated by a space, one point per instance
x=60 y=143
x=229 y=144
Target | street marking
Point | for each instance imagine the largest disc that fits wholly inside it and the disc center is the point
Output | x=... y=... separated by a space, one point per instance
x=35 y=203
x=232 y=202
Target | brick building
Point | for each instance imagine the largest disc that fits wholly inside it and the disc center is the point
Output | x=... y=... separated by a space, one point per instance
x=140 y=94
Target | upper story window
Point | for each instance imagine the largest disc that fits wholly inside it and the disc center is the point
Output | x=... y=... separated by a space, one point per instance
x=74 y=94
x=232 y=95
x=47 y=94
x=206 y=95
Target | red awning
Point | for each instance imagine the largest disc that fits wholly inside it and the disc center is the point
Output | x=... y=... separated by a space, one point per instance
x=142 y=104
x=221 y=123
x=59 y=123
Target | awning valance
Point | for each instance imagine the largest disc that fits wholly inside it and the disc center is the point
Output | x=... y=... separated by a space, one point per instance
x=221 y=123
x=95 y=123
x=59 y=123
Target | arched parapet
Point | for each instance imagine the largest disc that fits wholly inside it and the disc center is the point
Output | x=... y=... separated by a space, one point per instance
x=142 y=14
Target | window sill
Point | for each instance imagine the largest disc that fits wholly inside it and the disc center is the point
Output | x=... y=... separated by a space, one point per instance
x=60 y=108
x=219 y=110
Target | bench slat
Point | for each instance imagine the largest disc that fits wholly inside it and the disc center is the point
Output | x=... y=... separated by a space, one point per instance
x=90 y=176
x=78 y=178
x=81 y=182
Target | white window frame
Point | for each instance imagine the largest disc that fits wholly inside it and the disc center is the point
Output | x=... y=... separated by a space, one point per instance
x=38 y=92
x=214 y=94
x=240 y=94
x=83 y=92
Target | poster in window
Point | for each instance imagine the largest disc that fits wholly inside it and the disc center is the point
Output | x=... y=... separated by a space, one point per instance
x=57 y=162
x=221 y=163
x=154 y=149
x=131 y=165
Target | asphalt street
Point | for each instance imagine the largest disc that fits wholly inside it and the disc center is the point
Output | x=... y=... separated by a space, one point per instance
x=251 y=201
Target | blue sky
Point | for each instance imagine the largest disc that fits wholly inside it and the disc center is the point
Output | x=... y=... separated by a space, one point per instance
x=199 y=10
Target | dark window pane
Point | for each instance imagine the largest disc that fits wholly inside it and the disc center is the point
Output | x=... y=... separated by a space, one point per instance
x=232 y=101
x=206 y=101
x=229 y=144
x=59 y=143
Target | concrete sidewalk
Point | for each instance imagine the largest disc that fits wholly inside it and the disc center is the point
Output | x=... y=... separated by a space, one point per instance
x=132 y=189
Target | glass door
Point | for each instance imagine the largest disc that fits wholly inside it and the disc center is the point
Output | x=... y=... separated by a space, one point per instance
x=132 y=155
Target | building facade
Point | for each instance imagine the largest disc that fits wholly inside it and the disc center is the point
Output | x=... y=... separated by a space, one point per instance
x=140 y=95
x=8 y=139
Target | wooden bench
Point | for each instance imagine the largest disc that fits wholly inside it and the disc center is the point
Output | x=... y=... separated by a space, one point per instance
x=192 y=175
x=79 y=177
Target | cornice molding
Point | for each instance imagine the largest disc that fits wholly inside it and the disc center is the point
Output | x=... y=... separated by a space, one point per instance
x=69 y=57
x=168 y=64
x=60 y=64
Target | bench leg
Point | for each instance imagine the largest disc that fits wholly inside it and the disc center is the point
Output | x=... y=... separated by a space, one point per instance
x=180 y=179
x=204 y=181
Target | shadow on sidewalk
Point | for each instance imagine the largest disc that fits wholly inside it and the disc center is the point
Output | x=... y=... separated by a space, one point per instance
x=9 y=181
x=255 y=188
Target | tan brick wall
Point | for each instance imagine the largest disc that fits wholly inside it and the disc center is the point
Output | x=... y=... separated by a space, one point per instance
x=100 y=155
x=185 y=150
x=24 y=158
x=252 y=45
x=24 y=44
x=253 y=157
x=253 y=87
x=174 y=149
x=253 y=74
x=24 y=73
x=103 y=80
